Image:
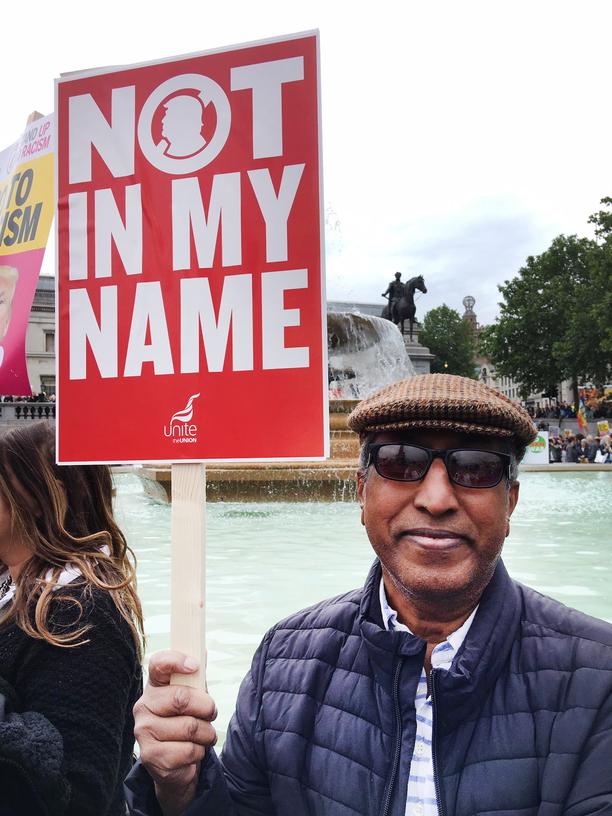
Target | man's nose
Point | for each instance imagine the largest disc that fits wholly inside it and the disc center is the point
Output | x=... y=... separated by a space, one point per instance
x=436 y=493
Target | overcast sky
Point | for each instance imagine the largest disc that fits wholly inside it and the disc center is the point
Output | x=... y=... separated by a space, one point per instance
x=459 y=137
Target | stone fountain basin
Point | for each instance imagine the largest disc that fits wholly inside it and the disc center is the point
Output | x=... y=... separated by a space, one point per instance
x=277 y=481
x=331 y=480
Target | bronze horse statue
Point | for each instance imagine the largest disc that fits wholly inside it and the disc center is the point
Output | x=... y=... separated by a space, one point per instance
x=405 y=309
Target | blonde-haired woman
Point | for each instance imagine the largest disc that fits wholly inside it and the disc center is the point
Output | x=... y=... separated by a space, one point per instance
x=70 y=634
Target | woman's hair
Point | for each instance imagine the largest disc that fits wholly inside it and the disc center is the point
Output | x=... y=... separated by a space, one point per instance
x=64 y=515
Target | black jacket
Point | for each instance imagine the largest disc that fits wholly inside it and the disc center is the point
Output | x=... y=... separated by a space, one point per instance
x=81 y=696
x=31 y=757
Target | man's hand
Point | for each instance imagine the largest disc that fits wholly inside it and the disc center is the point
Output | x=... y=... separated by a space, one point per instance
x=173 y=727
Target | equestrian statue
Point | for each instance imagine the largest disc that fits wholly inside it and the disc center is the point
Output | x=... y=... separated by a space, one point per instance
x=401 y=301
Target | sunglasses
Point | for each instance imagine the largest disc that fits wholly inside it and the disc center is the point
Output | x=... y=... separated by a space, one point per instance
x=403 y=462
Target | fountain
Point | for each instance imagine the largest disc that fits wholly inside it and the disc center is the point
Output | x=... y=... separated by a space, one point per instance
x=364 y=353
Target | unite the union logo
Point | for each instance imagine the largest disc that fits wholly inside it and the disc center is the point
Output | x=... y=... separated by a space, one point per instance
x=180 y=428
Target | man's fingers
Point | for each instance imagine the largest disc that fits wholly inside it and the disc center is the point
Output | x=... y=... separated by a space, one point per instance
x=167 y=761
x=176 y=701
x=172 y=722
x=163 y=665
x=176 y=730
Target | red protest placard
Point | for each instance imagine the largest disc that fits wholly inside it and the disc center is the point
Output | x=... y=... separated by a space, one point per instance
x=191 y=302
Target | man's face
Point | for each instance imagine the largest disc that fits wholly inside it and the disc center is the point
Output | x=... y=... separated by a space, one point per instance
x=435 y=539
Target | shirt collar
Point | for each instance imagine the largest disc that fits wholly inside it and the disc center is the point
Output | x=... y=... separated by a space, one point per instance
x=390 y=621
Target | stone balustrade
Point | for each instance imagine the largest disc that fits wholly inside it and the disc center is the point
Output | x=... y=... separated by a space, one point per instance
x=15 y=413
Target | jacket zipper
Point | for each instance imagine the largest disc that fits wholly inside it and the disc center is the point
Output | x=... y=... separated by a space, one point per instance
x=398 y=738
x=436 y=775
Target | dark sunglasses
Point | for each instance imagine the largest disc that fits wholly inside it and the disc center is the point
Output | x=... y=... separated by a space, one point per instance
x=403 y=462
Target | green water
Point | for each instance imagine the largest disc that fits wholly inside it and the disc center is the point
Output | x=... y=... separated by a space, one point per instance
x=266 y=561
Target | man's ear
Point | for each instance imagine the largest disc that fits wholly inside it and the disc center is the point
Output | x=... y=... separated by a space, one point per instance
x=513 y=496
x=361 y=491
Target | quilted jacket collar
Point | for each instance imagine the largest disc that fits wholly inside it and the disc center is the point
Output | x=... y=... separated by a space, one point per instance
x=484 y=653
x=479 y=661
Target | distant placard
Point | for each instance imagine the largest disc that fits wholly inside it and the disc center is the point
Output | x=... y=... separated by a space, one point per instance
x=27 y=203
x=537 y=452
x=191 y=291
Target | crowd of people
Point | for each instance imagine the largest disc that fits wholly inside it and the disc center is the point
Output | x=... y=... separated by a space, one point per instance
x=560 y=410
x=580 y=449
x=563 y=410
x=42 y=397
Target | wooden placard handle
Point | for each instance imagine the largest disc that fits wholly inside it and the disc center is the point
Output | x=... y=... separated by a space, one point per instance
x=188 y=573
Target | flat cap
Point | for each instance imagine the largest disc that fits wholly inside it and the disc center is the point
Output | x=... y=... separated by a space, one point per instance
x=445 y=402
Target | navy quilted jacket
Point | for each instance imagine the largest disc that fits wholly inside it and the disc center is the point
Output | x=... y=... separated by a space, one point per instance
x=325 y=720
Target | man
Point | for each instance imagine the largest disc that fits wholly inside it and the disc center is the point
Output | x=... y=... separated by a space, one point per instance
x=441 y=687
x=394 y=292
x=556 y=450
x=591 y=448
x=571 y=450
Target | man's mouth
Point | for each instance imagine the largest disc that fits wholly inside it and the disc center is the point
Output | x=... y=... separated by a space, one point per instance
x=435 y=539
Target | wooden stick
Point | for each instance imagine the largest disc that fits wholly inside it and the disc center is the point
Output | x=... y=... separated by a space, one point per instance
x=188 y=613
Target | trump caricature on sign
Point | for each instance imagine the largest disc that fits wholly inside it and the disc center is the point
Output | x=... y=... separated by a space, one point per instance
x=9 y=276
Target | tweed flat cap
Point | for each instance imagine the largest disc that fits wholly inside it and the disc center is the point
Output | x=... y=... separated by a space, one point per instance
x=444 y=402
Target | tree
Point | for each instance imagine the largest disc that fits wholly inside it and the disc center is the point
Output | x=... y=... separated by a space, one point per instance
x=603 y=220
x=554 y=318
x=451 y=340
x=601 y=306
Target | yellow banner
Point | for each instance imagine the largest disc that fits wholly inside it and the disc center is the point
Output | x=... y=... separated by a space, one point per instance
x=26 y=206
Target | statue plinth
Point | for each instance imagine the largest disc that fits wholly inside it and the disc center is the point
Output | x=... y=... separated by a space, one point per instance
x=420 y=356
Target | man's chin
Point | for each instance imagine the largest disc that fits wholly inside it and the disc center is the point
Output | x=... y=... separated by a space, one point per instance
x=445 y=587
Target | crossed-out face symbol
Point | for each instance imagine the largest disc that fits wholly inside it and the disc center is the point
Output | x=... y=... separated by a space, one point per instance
x=182 y=148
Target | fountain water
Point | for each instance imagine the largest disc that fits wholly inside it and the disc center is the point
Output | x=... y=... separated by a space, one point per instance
x=364 y=353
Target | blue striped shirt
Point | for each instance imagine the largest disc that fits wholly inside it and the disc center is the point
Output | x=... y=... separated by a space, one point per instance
x=421 y=799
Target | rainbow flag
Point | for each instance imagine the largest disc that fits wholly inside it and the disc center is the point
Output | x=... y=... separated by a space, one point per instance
x=581 y=417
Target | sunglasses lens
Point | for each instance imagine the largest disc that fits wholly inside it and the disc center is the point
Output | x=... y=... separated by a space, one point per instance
x=475 y=468
x=403 y=463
